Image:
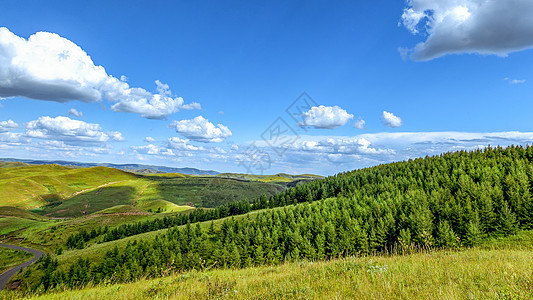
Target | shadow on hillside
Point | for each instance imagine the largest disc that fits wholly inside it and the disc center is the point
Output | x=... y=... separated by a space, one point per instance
x=209 y=191
x=90 y=202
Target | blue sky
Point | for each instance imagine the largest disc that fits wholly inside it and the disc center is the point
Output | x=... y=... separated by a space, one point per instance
x=197 y=84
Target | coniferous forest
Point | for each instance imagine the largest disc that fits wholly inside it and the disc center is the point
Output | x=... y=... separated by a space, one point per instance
x=447 y=201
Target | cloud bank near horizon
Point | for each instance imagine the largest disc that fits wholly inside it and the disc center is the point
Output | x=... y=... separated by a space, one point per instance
x=52 y=138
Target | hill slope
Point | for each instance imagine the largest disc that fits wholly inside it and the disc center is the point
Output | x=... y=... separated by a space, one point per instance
x=125 y=167
x=35 y=186
x=450 y=201
x=477 y=273
x=59 y=191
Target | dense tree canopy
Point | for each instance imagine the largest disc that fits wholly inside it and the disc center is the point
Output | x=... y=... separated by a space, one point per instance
x=444 y=201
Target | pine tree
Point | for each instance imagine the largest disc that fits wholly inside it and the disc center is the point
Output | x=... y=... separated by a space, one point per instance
x=507 y=224
x=446 y=238
x=473 y=233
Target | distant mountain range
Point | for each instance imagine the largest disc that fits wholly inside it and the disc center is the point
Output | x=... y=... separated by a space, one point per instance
x=126 y=167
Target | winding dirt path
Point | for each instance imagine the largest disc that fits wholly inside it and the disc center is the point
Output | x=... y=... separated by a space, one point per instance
x=4 y=277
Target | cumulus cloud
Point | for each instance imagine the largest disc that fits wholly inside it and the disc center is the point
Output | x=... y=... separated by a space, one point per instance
x=390 y=120
x=71 y=150
x=325 y=117
x=201 y=130
x=68 y=130
x=8 y=125
x=181 y=144
x=360 y=124
x=327 y=155
x=174 y=147
x=149 y=139
x=12 y=138
x=75 y=113
x=469 y=26
x=191 y=106
x=151 y=149
x=337 y=145
x=49 y=67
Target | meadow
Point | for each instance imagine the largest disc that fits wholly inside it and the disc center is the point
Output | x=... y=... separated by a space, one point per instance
x=11 y=258
x=497 y=269
x=62 y=192
x=424 y=228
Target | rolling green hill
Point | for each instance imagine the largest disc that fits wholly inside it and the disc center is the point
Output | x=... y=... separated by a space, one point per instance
x=63 y=192
x=36 y=186
x=452 y=201
x=11 y=258
x=432 y=206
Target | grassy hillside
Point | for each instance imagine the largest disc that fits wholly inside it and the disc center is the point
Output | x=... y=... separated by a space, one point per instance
x=453 y=201
x=281 y=178
x=204 y=191
x=60 y=192
x=446 y=202
x=499 y=269
x=35 y=186
x=11 y=257
x=27 y=229
x=9 y=211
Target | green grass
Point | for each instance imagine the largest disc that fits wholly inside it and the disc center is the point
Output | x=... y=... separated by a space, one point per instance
x=30 y=187
x=11 y=257
x=163 y=206
x=49 y=235
x=8 y=211
x=280 y=178
x=475 y=273
x=4 y=164
x=204 y=191
x=63 y=192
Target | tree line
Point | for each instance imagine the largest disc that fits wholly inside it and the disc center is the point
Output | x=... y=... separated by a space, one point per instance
x=450 y=200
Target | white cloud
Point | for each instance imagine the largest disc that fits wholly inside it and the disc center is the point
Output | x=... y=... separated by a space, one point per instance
x=11 y=138
x=149 y=139
x=62 y=146
x=8 y=125
x=49 y=67
x=515 y=81
x=327 y=155
x=191 y=106
x=68 y=130
x=75 y=113
x=389 y=119
x=174 y=147
x=336 y=145
x=181 y=144
x=469 y=26
x=201 y=130
x=360 y=124
x=148 y=105
x=148 y=149
x=115 y=136
x=325 y=117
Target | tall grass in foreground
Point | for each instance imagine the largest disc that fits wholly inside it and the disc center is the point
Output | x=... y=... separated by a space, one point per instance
x=476 y=273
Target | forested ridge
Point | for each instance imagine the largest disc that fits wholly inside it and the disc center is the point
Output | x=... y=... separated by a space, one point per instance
x=451 y=200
